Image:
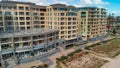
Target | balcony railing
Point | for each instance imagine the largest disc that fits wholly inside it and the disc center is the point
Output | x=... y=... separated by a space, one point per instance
x=23 y=49
x=38 y=57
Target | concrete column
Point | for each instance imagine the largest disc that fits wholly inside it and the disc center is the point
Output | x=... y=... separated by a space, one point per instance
x=55 y=40
x=32 y=46
x=46 y=39
x=2 y=61
x=14 y=49
x=32 y=43
x=63 y=44
x=0 y=49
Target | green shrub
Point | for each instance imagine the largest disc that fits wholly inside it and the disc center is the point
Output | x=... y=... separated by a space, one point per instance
x=71 y=54
x=116 y=54
x=58 y=64
x=63 y=58
x=57 y=59
x=77 y=51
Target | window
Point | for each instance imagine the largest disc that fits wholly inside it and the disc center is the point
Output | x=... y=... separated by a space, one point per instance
x=1 y=23
x=0 y=13
x=28 y=23
x=9 y=7
x=22 y=23
x=16 y=13
x=21 y=8
x=27 y=13
x=62 y=14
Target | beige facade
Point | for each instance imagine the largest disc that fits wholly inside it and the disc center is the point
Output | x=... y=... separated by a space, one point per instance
x=59 y=17
x=92 y=22
x=69 y=20
x=24 y=42
x=27 y=28
x=17 y=16
x=23 y=37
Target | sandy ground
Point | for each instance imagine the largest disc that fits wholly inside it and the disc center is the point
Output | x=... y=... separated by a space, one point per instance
x=113 y=64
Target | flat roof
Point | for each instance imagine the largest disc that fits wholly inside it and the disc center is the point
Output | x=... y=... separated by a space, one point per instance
x=59 y=5
x=14 y=3
x=90 y=8
x=27 y=33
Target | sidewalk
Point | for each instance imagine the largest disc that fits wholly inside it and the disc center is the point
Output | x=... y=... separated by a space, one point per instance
x=115 y=63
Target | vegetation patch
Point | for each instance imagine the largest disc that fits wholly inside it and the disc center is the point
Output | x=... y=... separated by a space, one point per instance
x=111 y=48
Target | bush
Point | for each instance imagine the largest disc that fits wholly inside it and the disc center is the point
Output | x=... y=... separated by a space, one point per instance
x=88 y=48
x=63 y=58
x=71 y=54
x=77 y=51
x=57 y=59
x=75 y=44
x=58 y=64
x=116 y=54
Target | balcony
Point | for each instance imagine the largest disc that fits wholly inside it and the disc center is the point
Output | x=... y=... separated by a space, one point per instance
x=27 y=13
x=1 y=18
x=21 y=8
x=26 y=39
x=35 y=14
x=8 y=14
x=22 y=18
x=42 y=18
x=1 y=24
x=0 y=13
x=83 y=15
x=41 y=14
x=21 y=13
x=9 y=24
x=5 y=40
x=27 y=8
x=36 y=18
x=38 y=57
x=39 y=46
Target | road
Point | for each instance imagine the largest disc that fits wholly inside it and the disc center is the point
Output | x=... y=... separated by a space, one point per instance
x=115 y=63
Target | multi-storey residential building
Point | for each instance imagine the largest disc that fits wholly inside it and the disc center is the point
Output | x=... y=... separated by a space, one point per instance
x=16 y=16
x=24 y=42
x=28 y=29
x=92 y=22
x=23 y=45
x=63 y=18
x=23 y=33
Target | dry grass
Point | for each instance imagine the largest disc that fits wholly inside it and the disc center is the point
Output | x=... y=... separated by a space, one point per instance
x=110 y=48
x=83 y=60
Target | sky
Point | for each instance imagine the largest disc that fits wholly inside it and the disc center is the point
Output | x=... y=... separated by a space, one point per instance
x=112 y=6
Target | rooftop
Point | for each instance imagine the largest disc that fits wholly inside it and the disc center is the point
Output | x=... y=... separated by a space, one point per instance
x=27 y=33
x=89 y=8
x=59 y=5
x=14 y=3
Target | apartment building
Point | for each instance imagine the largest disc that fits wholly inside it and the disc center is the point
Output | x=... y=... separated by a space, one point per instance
x=27 y=28
x=63 y=18
x=23 y=36
x=92 y=22
x=23 y=43
x=17 y=16
x=72 y=22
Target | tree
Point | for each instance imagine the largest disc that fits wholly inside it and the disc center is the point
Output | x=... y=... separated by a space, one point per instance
x=114 y=31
